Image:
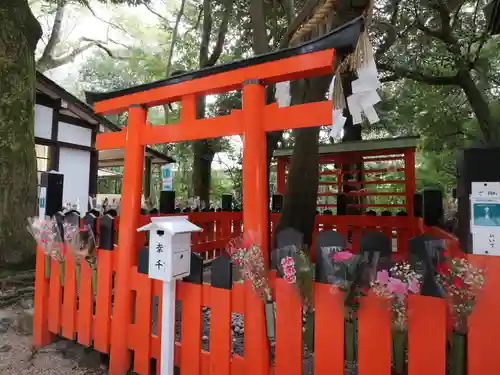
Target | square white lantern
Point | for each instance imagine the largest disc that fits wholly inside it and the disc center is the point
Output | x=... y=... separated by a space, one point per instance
x=169 y=247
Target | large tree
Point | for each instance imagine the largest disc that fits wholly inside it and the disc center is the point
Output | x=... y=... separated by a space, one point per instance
x=441 y=43
x=437 y=43
x=299 y=208
x=19 y=34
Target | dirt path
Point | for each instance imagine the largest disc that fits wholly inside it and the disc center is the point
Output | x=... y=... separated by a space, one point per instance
x=60 y=358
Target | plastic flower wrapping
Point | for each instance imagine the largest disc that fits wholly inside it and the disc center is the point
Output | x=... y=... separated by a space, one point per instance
x=295 y=268
x=394 y=285
x=346 y=273
x=247 y=255
x=48 y=237
x=82 y=245
x=462 y=282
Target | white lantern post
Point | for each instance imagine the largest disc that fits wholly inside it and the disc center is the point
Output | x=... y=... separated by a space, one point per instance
x=169 y=260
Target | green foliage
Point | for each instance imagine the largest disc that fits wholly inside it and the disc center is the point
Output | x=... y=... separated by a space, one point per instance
x=440 y=114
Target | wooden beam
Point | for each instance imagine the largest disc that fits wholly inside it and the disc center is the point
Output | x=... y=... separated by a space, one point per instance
x=292 y=68
x=109 y=141
x=221 y=126
x=298 y=116
x=308 y=115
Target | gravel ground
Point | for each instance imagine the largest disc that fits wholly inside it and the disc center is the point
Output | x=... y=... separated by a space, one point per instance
x=67 y=358
x=60 y=358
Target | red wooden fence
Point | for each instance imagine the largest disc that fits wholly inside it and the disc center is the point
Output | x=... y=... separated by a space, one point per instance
x=81 y=316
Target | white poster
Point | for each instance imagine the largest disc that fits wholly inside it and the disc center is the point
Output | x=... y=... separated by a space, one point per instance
x=486 y=241
x=485 y=189
x=485 y=221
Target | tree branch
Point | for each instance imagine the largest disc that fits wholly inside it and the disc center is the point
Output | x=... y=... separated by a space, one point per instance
x=162 y=18
x=260 y=44
x=444 y=33
x=197 y=23
x=174 y=36
x=389 y=28
x=306 y=12
x=114 y=25
x=55 y=33
x=221 y=36
x=399 y=72
x=390 y=39
x=168 y=107
x=206 y=31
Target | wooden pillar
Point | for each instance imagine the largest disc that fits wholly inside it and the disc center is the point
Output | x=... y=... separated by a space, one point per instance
x=255 y=205
x=281 y=175
x=127 y=240
x=255 y=220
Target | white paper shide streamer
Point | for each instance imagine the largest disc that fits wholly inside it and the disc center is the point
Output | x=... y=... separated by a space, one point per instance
x=364 y=90
x=338 y=119
x=282 y=94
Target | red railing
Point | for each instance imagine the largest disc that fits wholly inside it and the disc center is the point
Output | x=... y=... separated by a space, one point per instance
x=220 y=227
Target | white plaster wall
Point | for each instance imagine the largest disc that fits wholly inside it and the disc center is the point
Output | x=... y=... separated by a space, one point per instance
x=75 y=165
x=43 y=121
x=74 y=134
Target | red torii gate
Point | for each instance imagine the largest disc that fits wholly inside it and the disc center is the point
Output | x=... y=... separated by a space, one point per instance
x=253 y=121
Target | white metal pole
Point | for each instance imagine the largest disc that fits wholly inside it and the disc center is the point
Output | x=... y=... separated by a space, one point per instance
x=168 y=328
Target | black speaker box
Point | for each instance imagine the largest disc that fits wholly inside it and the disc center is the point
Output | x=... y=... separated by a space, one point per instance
x=341 y=204
x=167 y=202
x=418 y=205
x=432 y=199
x=54 y=183
x=277 y=202
x=227 y=202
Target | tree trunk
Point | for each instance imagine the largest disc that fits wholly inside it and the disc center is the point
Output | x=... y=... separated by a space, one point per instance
x=352 y=132
x=204 y=150
x=489 y=127
x=203 y=155
x=19 y=34
x=299 y=208
x=202 y=170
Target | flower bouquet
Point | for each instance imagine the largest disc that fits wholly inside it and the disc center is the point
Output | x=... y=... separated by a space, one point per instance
x=462 y=283
x=248 y=257
x=296 y=269
x=394 y=286
x=48 y=237
x=82 y=245
x=345 y=274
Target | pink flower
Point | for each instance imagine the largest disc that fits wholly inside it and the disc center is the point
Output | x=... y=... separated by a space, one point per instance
x=290 y=279
x=342 y=256
x=397 y=287
x=383 y=277
x=414 y=286
x=287 y=262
